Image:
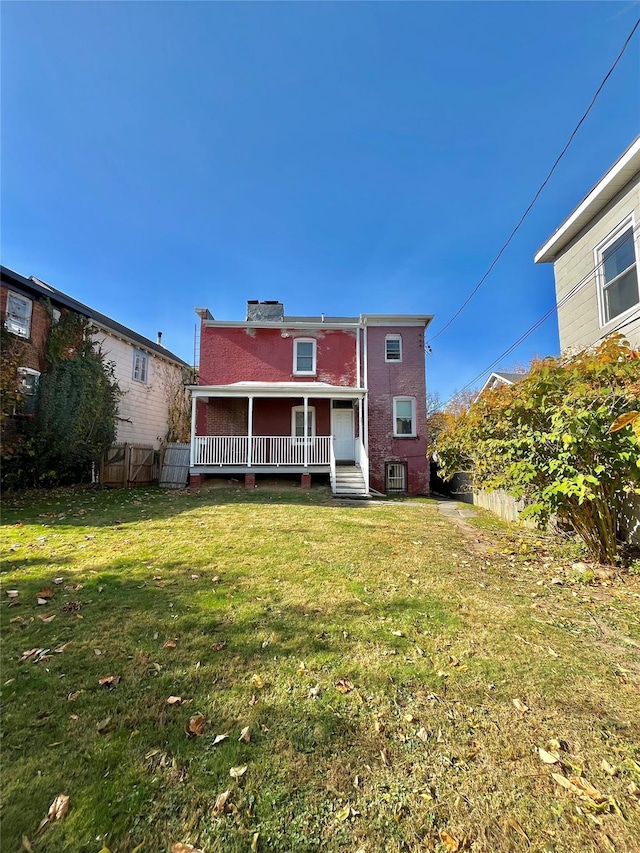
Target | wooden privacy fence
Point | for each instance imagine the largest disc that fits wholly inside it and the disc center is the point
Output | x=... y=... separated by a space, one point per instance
x=129 y=465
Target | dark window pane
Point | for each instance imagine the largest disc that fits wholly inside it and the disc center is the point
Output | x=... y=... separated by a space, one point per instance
x=621 y=295
x=619 y=256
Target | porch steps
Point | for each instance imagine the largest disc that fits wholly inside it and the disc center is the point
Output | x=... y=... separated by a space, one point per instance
x=350 y=482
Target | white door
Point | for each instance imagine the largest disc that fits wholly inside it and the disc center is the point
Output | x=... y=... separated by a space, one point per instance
x=342 y=429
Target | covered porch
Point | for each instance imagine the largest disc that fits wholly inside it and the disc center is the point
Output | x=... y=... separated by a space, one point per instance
x=269 y=428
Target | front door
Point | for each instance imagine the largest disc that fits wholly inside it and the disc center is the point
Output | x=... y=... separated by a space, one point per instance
x=342 y=429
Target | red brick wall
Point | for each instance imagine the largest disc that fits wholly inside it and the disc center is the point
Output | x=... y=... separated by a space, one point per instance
x=230 y=355
x=387 y=380
x=32 y=348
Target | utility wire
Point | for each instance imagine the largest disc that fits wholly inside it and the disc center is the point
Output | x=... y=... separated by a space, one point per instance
x=540 y=188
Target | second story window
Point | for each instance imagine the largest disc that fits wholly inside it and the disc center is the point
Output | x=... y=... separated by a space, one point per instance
x=304 y=357
x=18 y=315
x=140 y=366
x=616 y=260
x=393 y=348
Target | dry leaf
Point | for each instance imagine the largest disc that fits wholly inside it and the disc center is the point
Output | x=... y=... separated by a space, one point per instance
x=46 y=593
x=219 y=738
x=254 y=842
x=60 y=649
x=343 y=685
x=12 y=593
x=169 y=645
x=44 y=618
x=624 y=420
x=547 y=757
x=219 y=645
x=384 y=757
x=423 y=734
x=245 y=735
x=397 y=633
x=580 y=787
x=109 y=681
x=237 y=772
x=513 y=823
x=608 y=768
x=196 y=725
x=73 y=717
x=103 y=726
x=302 y=668
x=520 y=705
x=97 y=652
x=451 y=844
x=58 y=581
x=59 y=807
x=179 y=847
x=41 y=601
x=220 y=802
x=30 y=653
x=174 y=700
x=26 y=844
x=344 y=812
x=314 y=692
x=257 y=681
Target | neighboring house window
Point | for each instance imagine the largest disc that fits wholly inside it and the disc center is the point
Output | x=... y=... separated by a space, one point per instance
x=304 y=357
x=616 y=261
x=18 y=315
x=404 y=417
x=297 y=421
x=28 y=384
x=140 y=366
x=396 y=477
x=393 y=348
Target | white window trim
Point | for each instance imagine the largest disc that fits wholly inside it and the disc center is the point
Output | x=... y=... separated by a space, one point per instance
x=392 y=338
x=144 y=356
x=314 y=348
x=413 y=432
x=628 y=222
x=8 y=322
x=311 y=411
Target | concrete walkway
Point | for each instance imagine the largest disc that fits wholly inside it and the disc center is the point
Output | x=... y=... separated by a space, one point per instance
x=452 y=509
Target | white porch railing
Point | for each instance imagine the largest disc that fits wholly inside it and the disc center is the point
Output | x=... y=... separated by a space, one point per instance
x=332 y=468
x=271 y=450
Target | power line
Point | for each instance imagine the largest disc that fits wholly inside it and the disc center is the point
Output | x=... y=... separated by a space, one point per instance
x=541 y=187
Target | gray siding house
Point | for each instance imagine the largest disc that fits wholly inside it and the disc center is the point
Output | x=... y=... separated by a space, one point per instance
x=595 y=254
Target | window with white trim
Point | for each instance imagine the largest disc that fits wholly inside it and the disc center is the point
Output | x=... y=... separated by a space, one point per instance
x=404 y=417
x=18 y=315
x=393 y=348
x=140 y=366
x=618 y=273
x=297 y=421
x=304 y=357
x=396 y=477
x=28 y=384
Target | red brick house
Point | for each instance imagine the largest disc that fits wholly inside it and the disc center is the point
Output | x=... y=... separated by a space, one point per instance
x=337 y=396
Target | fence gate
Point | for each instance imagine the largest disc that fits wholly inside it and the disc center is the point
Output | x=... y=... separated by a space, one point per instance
x=129 y=465
x=175 y=466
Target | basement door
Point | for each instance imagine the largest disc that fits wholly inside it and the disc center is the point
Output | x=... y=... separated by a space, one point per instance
x=342 y=430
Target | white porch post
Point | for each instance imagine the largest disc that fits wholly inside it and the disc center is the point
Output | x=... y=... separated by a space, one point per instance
x=366 y=385
x=250 y=433
x=192 y=451
x=305 y=400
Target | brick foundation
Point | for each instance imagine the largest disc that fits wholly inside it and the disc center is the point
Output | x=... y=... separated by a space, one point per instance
x=195 y=481
x=305 y=481
x=249 y=481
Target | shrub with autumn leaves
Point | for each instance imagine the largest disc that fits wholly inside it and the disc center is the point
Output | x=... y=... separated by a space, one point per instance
x=566 y=439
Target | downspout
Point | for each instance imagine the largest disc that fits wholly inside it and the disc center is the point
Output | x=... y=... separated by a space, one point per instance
x=250 y=432
x=192 y=450
x=305 y=401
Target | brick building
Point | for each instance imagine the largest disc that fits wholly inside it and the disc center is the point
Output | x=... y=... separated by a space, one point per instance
x=337 y=396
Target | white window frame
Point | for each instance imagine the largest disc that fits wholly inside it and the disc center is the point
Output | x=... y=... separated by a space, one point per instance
x=140 y=369
x=403 y=467
x=311 y=415
x=413 y=432
x=627 y=223
x=15 y=326
x=386 y=351
x=314 y=347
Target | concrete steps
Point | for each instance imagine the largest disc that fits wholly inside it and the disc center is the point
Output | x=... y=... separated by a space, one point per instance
x=350 y=482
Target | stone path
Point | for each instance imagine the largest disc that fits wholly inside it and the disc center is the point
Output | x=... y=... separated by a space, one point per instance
x=453 y=510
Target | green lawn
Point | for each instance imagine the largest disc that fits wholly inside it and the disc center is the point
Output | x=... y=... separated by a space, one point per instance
x=373 y=652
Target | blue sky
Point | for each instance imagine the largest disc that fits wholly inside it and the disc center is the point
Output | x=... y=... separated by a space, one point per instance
x=340 y=157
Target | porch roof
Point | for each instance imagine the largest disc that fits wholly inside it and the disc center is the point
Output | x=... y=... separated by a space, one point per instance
x=277 y=389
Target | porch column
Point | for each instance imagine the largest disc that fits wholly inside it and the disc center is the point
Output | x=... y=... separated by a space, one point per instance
x=250 y=433
x=305 y=401
x=192 y=449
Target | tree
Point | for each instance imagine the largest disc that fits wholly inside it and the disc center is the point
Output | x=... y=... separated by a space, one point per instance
x=549 y=440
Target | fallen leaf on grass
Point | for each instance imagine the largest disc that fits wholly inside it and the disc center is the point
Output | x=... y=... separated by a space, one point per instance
x=237 y=772
x=26 y=844
x=174 y=700
x=253 y=700
x=547 y=757
x=423 y=734
x=520 y=705
x=314 y=692
x=220 y=802
x=58 y=581
x=109 y=681
x=196 y=725
x=219 y=738
x=451 y=843
x=397 y=633
x=384 y=757
x=46 y=593
x=12 y=593
x=608 y=768
x=580 y=787
x=513 y=823
x=170 y=644
x=257 y=681
x=41 y=601
x=344 y=812
x=30 y=653
x=343 y=685
x=59 y=807
x=254 y=842
x=44 y=618
x=302 y=668
x=179 y=847
x=245 y=735
x=103 y=726
x=219 y=645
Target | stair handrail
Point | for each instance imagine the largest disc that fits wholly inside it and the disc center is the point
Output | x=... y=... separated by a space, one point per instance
x=332 y=466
